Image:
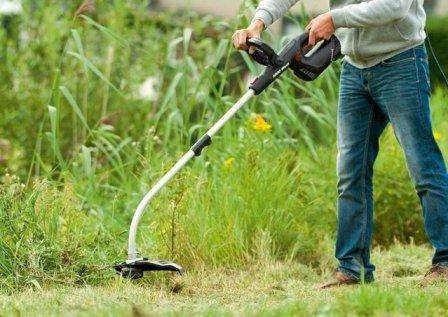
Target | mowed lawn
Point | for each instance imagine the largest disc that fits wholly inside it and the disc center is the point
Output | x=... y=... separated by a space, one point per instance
x=274 y=289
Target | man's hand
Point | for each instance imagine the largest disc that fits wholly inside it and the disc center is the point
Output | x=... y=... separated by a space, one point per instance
x=320 y=28
x=240 y=37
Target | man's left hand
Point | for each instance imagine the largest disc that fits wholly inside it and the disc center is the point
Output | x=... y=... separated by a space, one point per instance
x=320 y=28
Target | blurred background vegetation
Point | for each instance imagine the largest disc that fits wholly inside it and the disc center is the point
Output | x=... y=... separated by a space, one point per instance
x=437 y=30
x=98 y=101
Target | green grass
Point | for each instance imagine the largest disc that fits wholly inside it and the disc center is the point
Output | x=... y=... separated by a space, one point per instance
x=264 y=289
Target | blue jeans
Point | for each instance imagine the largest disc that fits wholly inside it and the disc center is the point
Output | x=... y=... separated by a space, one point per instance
x=396 y=91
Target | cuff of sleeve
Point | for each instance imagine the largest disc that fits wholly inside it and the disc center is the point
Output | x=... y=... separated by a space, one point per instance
x=339 y=18
x=264 y=16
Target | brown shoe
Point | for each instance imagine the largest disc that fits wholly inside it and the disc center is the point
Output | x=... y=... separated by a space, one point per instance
x=338 y=279
x=436 y=273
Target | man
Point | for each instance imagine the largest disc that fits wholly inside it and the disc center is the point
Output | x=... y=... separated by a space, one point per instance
x=385 y=78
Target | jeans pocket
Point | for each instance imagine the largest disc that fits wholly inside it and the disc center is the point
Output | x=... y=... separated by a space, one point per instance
x=346 y=68
x=405 y=57
x=397 y=61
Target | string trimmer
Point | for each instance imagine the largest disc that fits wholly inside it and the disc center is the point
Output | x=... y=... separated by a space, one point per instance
x=307 y=66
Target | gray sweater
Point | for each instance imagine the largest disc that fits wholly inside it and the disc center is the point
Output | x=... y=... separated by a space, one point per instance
x=370 y=31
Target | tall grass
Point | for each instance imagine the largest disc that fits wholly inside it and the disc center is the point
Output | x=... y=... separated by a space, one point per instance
x=197 y=71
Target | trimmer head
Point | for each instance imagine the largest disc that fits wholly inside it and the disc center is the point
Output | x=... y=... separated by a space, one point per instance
x=133 y=269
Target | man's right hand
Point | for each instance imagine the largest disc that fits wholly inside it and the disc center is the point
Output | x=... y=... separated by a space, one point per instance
x=240 y=37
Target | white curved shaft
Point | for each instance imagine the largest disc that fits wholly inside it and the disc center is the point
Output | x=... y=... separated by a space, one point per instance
x=231 y=112
x=132 y=250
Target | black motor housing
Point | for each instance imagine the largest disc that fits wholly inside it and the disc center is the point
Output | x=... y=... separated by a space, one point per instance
x=293 y=55
x=308 y=68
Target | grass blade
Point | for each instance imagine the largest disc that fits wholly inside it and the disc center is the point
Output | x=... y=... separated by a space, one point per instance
x=71 y=100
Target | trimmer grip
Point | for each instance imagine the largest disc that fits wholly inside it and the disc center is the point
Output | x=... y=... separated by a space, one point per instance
x=263 y=54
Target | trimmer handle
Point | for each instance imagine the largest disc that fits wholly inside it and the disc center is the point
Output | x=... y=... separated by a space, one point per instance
x=263 y=54
x=310 y=67
x=275 y=64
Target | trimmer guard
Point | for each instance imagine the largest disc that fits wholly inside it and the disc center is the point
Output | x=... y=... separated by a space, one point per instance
x=134 y=269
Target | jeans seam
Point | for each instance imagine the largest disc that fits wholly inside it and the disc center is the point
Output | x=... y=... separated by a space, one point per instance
x=418 y=76
x=363 y=187
x=418 y=85
x=419 y=89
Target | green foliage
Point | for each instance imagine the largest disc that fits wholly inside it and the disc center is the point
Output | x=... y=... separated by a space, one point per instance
x=397 y=209
x=73 y=76
x=46 y=235
x=437 y=28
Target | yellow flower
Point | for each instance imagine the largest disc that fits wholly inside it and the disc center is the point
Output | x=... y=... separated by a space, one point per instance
x=261 y=125
x=229 y=162
x=437 y=135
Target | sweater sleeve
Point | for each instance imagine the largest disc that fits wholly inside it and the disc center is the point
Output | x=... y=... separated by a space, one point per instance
x=371 y=13
x=270 y=11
